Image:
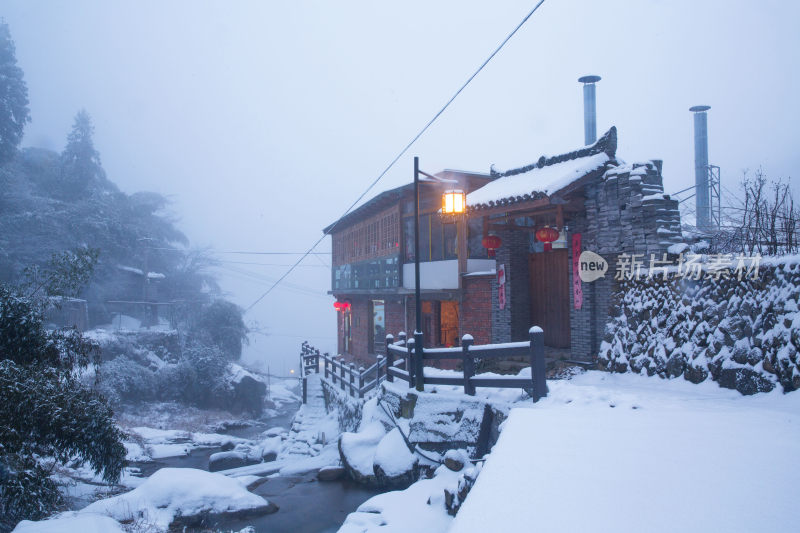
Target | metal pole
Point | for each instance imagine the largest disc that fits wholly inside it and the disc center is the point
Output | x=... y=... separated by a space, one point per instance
x=418 y=299
x=701 y=170
x=589 y=108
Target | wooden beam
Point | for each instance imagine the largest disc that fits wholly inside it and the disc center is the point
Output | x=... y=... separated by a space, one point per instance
x=513 y=227
x=515 y=207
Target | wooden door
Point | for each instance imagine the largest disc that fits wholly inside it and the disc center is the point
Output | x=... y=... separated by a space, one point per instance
x=550 y=296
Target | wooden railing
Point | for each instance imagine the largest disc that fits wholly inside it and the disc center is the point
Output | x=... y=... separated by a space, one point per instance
x=405 y=369
x=399 y=363
x=355 y=381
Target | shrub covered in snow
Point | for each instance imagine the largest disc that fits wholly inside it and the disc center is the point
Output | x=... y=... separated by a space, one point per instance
x=200 y=375
x=221 y=321
x=744 y=334
x=124 y=380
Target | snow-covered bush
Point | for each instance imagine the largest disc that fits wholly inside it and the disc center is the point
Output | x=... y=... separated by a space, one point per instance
x=744 y=334
x=201 y=375
x=125 y=380
x=221 y=322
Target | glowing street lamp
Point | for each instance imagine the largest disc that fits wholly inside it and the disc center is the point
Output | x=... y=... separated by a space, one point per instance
x=454 y=202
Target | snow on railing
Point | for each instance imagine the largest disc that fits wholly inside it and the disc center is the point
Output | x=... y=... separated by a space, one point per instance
x=355 y=381
x=400 y=362
x=411 y=369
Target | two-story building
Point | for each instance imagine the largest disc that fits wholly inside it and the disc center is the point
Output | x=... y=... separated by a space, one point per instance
x=372 y=274
x=588 y=199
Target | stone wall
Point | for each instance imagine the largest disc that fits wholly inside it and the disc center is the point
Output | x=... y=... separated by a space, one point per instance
x=626 y=212
x=743 y=334
x=348 y=409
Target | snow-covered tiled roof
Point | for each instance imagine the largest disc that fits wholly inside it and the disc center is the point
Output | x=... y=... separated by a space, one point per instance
x=546 y=176
x=545 y=180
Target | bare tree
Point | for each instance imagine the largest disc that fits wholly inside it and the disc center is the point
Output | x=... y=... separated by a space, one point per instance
x=764 y=221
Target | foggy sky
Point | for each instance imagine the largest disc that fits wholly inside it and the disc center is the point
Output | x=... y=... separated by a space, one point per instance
x=263 y=121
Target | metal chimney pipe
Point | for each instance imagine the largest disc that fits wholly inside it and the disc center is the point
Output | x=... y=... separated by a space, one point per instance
x=589 y=108
x=701 y=185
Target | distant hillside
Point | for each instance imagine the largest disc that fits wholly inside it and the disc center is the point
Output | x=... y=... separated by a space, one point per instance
x=43 y=210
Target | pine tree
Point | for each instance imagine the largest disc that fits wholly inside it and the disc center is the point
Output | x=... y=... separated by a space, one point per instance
x=80 y=162
x=14 y=111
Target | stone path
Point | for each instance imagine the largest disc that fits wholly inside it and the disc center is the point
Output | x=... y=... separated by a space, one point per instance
x=307 y=436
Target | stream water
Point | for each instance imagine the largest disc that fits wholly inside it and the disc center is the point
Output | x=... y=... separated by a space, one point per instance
x=305 y=504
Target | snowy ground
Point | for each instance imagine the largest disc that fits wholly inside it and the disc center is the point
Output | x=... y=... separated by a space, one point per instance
x=621 y=452
x=152 y=503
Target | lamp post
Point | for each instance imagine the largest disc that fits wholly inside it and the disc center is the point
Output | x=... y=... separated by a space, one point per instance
x=418 y=367
x=453 y=204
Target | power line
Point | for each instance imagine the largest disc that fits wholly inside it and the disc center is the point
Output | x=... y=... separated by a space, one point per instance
x=304 y=254
x=240 y=252
x=270 y=264
x=404 y=150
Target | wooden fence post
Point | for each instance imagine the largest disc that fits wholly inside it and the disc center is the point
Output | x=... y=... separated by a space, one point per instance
x=389 y=358
x=468 y=364
x=537 y=363
x=352 y=377
x=409 y=366
x=305 y=389
x=361 y=381
x=341 y=374
x=381 y=362
x=419 y=362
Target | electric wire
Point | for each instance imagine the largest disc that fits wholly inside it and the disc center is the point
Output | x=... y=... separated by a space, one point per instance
x=402 y=152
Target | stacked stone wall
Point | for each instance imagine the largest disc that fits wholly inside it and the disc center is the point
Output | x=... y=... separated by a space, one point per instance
x=743 y=334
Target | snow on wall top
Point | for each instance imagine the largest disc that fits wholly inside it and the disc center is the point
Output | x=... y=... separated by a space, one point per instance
x=547 y=180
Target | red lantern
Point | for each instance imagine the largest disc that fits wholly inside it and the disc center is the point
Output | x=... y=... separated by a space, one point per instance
x=492 y=243
x=341 y=306
x=547 y=235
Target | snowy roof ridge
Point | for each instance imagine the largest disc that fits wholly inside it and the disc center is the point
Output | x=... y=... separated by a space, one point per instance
x=537 y=184
x=606 y=144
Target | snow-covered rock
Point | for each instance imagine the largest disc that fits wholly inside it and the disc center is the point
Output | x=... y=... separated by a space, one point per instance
x=420 y=507
x=71 y=523
x=187 y=493
x=394 y=464
x=227 y=460
x=357 y=451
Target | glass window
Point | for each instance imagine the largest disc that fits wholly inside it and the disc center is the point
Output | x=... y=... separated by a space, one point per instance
x=378 y=325
x=450 y=241
x=475 y=232
x=347 y=331
x=437 y=242
x=408 y=238
x=424 y=237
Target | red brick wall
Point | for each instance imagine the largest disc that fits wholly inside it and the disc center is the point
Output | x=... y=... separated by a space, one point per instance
x=394 y=310
x=476 y=308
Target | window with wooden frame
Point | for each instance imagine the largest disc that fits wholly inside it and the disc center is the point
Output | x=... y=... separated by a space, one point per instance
x=375 y=237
